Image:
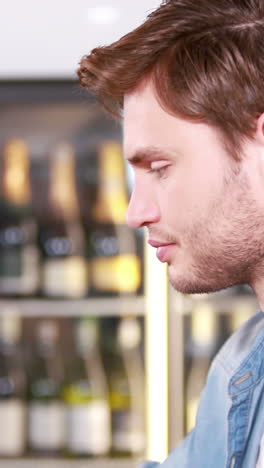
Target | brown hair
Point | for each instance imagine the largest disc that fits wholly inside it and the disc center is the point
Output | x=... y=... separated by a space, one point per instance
x=206 y=60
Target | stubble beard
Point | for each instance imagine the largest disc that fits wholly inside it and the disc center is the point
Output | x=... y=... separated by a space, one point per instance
x=223 y=248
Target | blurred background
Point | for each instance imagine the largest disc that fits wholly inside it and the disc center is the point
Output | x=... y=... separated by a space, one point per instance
x=101 y=362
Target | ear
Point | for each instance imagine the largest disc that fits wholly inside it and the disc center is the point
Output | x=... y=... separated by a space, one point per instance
x=259 y=135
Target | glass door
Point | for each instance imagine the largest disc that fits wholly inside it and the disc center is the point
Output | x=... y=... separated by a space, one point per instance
x=72 y=285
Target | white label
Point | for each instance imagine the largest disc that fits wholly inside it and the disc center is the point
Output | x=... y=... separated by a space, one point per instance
x=12 y=427
x=46 y=426
x=65 y=277
x=89 y=428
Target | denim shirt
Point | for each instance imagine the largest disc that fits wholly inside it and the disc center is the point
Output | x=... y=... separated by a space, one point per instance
x=230 y=417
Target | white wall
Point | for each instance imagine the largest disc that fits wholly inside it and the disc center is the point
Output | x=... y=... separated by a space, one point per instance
x=46 y=39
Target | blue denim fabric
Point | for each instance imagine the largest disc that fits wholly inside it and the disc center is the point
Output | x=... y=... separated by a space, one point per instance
x=230 y=418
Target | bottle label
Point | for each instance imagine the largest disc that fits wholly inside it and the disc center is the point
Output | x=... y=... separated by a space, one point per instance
x=118 y=273
x=89 y=429
x=47 y=426
x=66 y=277
x=12 y=427
x=19 y=270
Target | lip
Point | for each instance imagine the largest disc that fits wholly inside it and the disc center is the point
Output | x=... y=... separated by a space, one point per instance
x=156 y=244
x=163 y=250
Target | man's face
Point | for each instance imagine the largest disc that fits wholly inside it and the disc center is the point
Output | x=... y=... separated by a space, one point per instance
x=199 y=205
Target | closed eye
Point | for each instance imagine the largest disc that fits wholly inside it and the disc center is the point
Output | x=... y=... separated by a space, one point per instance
x=159 y=168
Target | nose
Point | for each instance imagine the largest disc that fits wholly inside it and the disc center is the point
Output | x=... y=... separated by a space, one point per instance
x=143 y=209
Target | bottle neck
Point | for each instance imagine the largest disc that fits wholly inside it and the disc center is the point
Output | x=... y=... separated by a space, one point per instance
x=63 y=197
x=16 y=180
x=112 y=200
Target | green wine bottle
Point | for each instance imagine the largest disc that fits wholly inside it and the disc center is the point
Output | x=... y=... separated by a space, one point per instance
x=19 y=255
x=61 y=237
x=12 y=389
x=86 y=395
x=115 y=266
x=125 y=373
x=46 y=409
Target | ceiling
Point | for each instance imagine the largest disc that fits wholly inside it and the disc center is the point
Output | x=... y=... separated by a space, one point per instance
x=47 y=39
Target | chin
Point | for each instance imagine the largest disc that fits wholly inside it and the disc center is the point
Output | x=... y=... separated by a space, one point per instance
x=186 y=285
x=188 y=288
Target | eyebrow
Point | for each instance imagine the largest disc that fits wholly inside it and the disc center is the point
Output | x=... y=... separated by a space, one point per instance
x=151 y=153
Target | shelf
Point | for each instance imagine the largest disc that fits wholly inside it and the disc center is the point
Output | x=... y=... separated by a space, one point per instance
x=118 y=306
x=62 y=463
x=223 y=304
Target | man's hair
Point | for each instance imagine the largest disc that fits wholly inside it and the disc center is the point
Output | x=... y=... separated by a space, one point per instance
x=204 y=57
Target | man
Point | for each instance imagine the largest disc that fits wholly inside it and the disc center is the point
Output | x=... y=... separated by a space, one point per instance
x=189 y=85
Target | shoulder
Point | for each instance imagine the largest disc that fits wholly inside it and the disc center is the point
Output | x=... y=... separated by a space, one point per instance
x=241 y=344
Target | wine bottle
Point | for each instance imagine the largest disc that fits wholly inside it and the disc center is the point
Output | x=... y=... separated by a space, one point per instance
x=115 y=265
x=19 y=256
x=12 y=389
x=64 y=272
x=125 y=376
x=201 y=346
x=129 y=335
x=86 y=395
x=46 y=409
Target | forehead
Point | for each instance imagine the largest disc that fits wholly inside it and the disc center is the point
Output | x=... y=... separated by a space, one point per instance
x=142 y=108
x=145 y=122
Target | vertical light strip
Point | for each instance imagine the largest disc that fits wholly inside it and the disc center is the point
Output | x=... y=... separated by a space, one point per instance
x=176 y=366
x=156 y=356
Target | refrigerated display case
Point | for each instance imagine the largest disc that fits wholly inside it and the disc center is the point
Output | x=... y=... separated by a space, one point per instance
x=70 y=271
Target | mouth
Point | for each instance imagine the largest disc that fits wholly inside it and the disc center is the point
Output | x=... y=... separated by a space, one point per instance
x=163 y=249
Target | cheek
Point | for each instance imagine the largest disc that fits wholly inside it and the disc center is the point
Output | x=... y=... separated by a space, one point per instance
x=200 y=184
x=185 y=202
x=173 y=204
x=179 y=194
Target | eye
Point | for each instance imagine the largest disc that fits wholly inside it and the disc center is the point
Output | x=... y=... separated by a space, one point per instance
x=159 y=168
